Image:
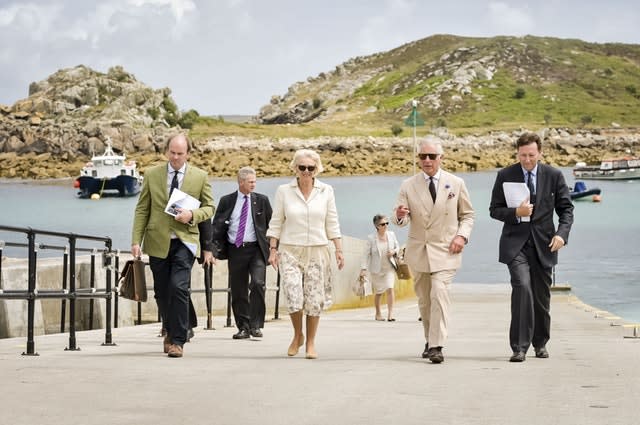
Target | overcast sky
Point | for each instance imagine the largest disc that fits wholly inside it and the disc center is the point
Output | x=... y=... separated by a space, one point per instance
x=231 y=56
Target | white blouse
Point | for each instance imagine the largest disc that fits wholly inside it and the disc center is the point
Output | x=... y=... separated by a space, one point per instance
x=310 y=222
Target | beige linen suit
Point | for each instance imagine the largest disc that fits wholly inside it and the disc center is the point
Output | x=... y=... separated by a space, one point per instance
x=432 y=227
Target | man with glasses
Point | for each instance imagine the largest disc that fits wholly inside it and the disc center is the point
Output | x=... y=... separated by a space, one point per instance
x=436 y=206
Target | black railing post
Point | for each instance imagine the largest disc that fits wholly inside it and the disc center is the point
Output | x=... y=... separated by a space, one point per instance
x=208 y=294
x=1 y=249
x=31 y=302
x=276 y=313
x=108 y=337
x=92 y=285
x=116 y=283
x=228 y=325
x=65 y=268
x=72 y=294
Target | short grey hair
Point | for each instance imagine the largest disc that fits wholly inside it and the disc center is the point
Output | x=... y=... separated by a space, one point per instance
x=378 y=218
x=306 y=153
x=245 y=172
x=429 y=142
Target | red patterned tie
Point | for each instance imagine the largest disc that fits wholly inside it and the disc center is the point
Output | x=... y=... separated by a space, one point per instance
x=243 y=221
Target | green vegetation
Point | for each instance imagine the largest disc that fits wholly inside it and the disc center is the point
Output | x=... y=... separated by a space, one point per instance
x=189 y=118
x=534 y=82
x=396 y=130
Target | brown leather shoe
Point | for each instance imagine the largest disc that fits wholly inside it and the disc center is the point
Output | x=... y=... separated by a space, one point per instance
x=175 y=350
x=166 y=343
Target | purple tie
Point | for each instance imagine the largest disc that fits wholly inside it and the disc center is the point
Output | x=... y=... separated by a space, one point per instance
x=243 y=221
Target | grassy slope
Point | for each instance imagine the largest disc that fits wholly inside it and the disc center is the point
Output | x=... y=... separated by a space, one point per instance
x=565 y=82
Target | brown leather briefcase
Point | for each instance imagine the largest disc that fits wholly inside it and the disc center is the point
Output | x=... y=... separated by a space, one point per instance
x=132 y=283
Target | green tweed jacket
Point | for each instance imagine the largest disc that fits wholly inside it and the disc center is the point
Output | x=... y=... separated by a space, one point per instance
x=152 y=227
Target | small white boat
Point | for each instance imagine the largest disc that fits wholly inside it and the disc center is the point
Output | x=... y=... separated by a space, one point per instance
x=108 y=174
x=625 y=168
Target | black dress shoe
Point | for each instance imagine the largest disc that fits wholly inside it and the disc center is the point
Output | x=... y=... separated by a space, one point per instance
x=425 y=353
x=190 y=334
x=242 y=334
x=542 y=353
x=256 y=332
x=518 y=357
x=435 y=355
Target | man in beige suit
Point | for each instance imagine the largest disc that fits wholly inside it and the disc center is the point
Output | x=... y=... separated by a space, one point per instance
x=172 y=243
x=437 y=207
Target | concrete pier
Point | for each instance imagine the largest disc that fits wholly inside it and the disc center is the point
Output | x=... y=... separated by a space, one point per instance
x=367 y=372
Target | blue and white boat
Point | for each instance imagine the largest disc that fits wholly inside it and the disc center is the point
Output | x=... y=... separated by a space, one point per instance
x=108 y=174
x=580 y=191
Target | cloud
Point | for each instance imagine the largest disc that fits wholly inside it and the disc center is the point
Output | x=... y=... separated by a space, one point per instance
x=510 y=20
x=178 y=7
x=387 y=27
x=230 y=56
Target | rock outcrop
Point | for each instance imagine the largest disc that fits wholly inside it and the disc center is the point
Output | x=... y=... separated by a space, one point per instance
x=68 y=116
x=222 y=156
x=71 y=113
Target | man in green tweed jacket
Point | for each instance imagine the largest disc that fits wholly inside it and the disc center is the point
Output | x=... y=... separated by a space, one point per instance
x=172 y=243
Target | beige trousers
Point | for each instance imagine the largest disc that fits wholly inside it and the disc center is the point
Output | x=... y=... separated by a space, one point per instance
x=432 y=290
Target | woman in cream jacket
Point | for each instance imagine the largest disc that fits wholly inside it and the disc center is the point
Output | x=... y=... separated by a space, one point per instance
x=379 y=260
x=304 y=220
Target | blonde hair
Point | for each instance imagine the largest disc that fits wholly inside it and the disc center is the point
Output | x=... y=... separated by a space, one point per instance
x=306 y=153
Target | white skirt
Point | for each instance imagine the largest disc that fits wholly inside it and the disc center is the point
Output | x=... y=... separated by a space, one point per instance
x=384 y=280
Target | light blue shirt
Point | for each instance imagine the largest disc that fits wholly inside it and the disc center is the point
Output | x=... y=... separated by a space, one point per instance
x=534 y=174
x=234 y=221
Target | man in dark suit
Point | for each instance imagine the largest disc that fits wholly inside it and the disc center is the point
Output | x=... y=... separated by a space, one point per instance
x=172 y=243
x=529 y=243
x=240 y=229
x=206 y=258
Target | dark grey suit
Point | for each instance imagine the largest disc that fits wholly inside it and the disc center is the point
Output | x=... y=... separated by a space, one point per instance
x=247 y=263
x=524 y=247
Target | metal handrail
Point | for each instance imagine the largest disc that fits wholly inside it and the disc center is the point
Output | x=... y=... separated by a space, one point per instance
x=72 y=293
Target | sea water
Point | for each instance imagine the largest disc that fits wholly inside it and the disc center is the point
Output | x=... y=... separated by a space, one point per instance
x=601 y=261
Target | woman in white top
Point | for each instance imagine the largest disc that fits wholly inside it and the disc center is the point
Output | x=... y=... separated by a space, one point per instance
x=381 y=247
x=304 y=220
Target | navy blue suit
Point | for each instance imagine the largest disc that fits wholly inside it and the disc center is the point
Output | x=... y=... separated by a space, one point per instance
x=247 y=263
x=524 y=247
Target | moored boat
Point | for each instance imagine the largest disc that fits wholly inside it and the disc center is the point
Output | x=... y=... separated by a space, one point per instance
x=624 y=168
x=580 y=191
x=108 y=174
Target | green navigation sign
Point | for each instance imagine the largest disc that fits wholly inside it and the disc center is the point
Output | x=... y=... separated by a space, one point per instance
x=414 y=119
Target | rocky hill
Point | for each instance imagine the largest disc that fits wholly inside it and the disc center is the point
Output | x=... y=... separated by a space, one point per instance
x=462 y=82
x=69 y=115
x=475 y=94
